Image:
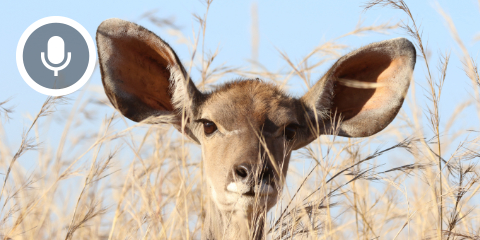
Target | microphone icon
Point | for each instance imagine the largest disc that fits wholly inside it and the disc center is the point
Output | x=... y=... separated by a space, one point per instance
x=56 y=54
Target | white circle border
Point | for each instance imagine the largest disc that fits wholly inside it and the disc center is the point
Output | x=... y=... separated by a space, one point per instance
x=91 y=56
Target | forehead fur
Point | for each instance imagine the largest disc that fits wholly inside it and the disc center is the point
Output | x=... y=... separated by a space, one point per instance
x=239 y=102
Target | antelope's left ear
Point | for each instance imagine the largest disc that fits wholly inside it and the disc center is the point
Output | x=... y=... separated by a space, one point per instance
x=363 y=91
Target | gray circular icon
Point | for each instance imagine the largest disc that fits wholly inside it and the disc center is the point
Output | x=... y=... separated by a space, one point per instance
x=45 y=45
x=56 y=56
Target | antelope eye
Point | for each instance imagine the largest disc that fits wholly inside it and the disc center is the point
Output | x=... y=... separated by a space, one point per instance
x=290 y=132
x=209 y=127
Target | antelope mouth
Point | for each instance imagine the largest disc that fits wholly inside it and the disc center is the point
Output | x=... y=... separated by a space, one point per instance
x=261 y=190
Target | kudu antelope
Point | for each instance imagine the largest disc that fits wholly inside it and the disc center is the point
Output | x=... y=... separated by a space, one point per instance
x=247 y=129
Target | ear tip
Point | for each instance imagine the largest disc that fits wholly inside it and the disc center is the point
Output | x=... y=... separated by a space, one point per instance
x=405 y=47
x=405 y=43
x=112 y=22
x=401 y=40
x=112 y=26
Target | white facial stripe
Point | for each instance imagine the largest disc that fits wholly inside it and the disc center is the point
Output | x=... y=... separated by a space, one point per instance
x=234 y=132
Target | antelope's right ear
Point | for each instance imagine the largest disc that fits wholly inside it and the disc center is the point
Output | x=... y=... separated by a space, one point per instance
x=362 y=92
x=142 y=75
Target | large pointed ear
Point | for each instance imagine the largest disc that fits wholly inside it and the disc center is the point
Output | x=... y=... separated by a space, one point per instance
x=142 y=75
x=363 y=91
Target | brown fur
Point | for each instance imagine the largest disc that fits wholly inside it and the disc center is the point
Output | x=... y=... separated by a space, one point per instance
x=253 y=100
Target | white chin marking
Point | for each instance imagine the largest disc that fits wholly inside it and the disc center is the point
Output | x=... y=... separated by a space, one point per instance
x=232 y=187
x=239 y=188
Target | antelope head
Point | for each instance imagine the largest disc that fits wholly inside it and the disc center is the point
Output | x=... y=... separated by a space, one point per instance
x=247 y=129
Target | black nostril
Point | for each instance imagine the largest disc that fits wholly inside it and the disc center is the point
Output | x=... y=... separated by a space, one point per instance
x=241 y=171
x=266 y=170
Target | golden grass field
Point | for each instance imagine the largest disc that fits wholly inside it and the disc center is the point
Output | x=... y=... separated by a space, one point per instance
x=121 y=181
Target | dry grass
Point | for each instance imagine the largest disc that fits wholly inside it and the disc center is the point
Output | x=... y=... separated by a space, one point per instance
x=147 y=182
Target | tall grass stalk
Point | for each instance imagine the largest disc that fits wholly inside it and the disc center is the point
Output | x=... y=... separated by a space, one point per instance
x=106 y=178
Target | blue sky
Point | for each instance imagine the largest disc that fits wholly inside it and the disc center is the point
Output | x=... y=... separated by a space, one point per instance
x=294 y=27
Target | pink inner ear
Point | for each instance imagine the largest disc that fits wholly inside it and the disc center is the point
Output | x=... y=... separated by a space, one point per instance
x=370 y=67
x=141 y=70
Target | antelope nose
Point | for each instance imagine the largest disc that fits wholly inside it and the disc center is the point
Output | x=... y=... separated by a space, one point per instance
x=242 y=171
x=245 y=172
x=251 y=179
